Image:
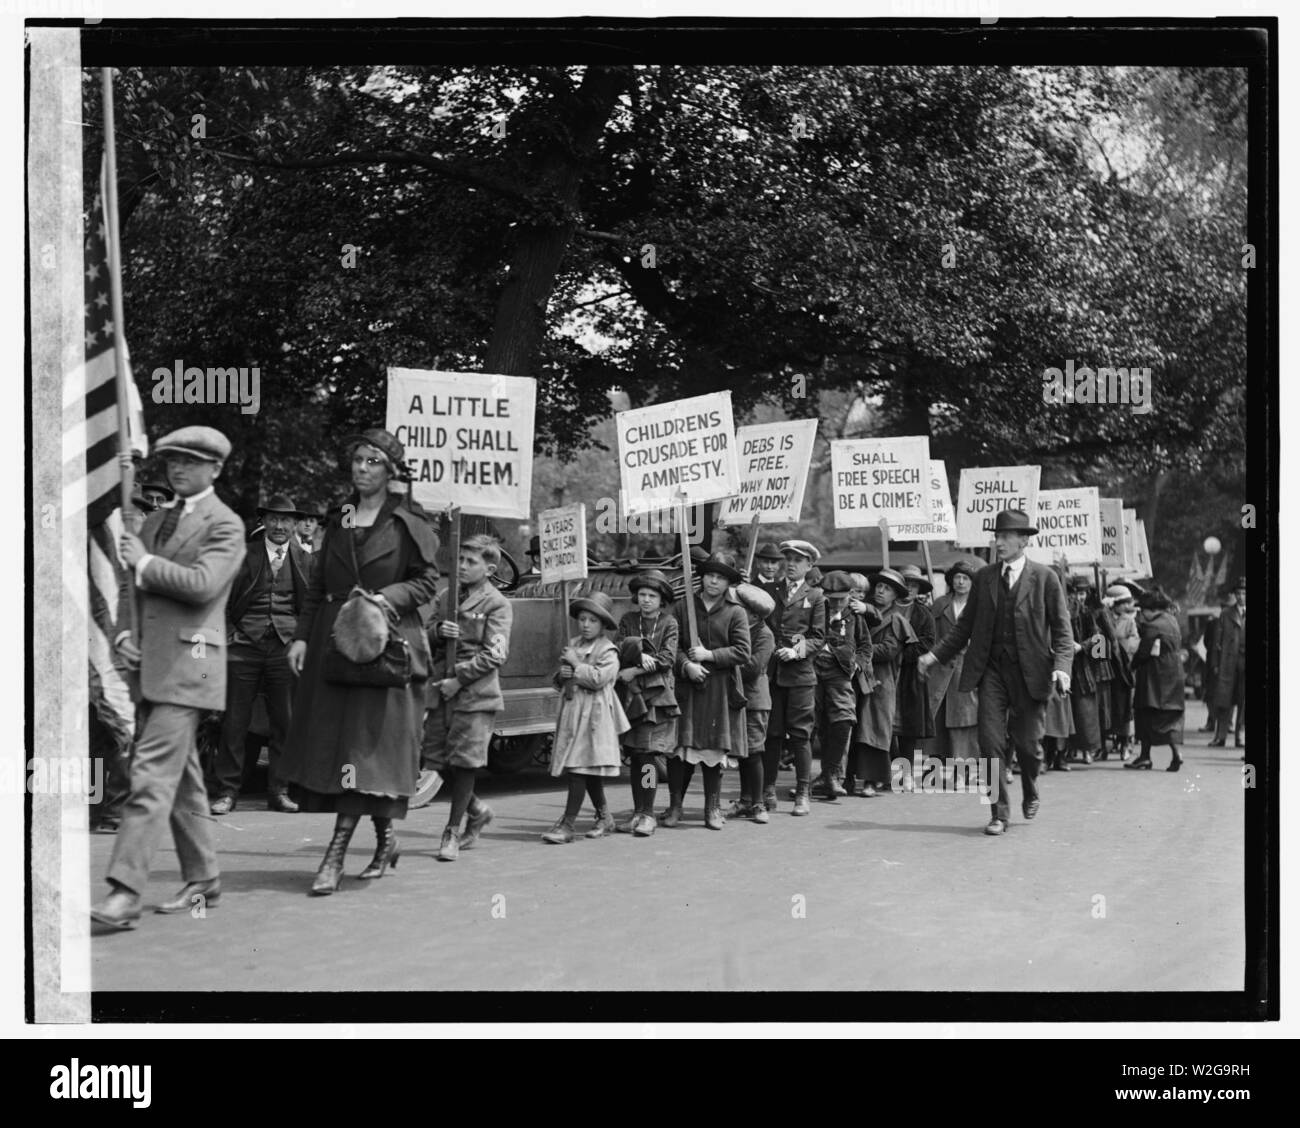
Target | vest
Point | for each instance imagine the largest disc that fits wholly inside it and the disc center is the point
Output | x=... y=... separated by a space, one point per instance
x=1004 y=622
x=270 y=606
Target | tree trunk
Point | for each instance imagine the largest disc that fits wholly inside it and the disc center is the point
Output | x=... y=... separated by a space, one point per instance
x=520 y=323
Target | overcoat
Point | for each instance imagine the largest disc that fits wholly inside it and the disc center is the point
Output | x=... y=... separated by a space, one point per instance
x=650 y=698
x=914 y=717
x=1227 y=645
x=367 y=735
x=713 y=712
x=1160 y=683
x=485 y=619
x=753 y=674
x=960 y=707
x=591 y=719
x=883 y=653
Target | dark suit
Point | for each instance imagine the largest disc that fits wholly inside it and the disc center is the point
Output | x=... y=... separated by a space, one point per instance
x=1014 y=677
x=181 y=600
x=802 y=613
x=1228 y=683
x=258 y=662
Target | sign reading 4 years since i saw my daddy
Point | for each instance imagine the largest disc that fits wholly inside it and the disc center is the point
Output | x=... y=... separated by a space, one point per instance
x=562 y=539
x=468 y=438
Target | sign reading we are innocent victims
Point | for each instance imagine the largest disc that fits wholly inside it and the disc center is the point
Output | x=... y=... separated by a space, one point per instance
x=468 y=438
x=1069 y=526
x=875 y=478
x=678 y=453
x=774 y=459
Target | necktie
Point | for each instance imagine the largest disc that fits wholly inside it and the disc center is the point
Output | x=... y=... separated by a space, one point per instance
x=277 y=560
x=1006 y=577
x=169 y=522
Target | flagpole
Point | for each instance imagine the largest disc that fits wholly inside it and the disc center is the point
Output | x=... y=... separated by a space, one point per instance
x=119 y=322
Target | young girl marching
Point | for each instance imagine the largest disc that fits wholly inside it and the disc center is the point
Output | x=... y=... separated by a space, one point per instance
x=709 y=689
x=647 y=648
x=590 y=720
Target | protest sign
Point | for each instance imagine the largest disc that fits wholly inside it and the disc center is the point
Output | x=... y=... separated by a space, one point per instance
x=1138 y=565
x=678 y=453
x=1143 y=550
x=880 y=479
x=941 y=526
x=468 y=438
x=1069 y=525
x=774 y=459
x=562 y=539
x=1113 y=556
x=984 y=491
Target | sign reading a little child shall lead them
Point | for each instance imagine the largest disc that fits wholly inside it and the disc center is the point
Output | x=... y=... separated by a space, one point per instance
x=678 y=453
x=562 y=540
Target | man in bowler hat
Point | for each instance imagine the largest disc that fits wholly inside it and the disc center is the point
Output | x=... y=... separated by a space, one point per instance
x=262 y=615
x=180 y=570
x=1021 y=650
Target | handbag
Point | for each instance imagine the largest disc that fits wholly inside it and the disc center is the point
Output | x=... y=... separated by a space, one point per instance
x=348 y=657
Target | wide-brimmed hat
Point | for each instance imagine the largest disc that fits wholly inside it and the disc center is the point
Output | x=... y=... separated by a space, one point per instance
x=206 y=443
x=1080 y=582
x=968 y=568
x=1154 y=600
x=280 y=503
x=893 y=579
x=598 y=603
x=655 y=580
x=384 y=441
x=802 y=548
x=161 y=487
x=720 y=564
x=1013 y=521
x=768 y=551
x=913 y=574
x=754 y=599
x=315 y=509
x=837 y=583
x=1118 y=593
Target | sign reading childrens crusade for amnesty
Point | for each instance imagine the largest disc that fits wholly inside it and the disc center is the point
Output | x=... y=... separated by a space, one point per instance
x=562 y=539
x=875 y=478
x=984 y=491
x=468 y=438
x=678 y=453
x=774 y=460
x=941 y=526
x=1069 y=525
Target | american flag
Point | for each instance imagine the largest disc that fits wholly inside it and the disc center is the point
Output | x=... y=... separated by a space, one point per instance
x=91 y=475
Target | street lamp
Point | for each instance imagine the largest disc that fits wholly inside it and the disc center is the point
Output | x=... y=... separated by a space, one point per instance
x=1213 y=546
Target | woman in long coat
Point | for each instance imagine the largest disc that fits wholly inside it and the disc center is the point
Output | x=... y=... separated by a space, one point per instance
x=355 y=749
x=956 y=713
x=913 y=718
x=869 y=757
x=1158 y=697
x=1084 y=681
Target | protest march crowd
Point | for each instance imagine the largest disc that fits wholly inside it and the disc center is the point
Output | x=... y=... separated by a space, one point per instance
x=373 y=679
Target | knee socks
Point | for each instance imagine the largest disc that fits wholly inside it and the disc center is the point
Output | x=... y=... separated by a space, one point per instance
x=712 y=785
x=645 y=782
x=577 y=793
x=462 y=791
x=596 y=793
x=751 y=778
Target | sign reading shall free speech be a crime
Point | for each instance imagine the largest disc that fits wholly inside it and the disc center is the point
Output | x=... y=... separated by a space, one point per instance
x=875 y=478
x=678 y=453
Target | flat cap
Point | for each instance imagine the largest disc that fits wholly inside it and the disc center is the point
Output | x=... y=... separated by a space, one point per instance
x=802 y=548
x=837 y=583
x=200 y=442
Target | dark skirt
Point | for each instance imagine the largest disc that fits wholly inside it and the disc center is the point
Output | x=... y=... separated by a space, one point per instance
x=1158 y=726
x=1121 y=707
x=873 y=764
x=1087 y=729
x=348 y=803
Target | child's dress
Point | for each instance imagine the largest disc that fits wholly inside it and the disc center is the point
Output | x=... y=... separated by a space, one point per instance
x=649 y=700
x=591 y=719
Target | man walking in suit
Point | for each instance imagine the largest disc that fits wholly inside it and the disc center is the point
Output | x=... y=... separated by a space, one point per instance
x=183 y=563
x=1021 y=649
x=262 y=614
x=1228 y=688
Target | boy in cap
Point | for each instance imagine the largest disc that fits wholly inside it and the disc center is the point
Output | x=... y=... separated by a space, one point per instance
x=801 y=629
x=464 y=701
x=835 y=700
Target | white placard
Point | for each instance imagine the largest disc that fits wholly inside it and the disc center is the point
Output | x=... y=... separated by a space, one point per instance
x=1069 y=525
x=984 y=491
x=1143 y=551
x=941 y=526
x=562 y=543
x=875 y=478
x=1113 y=556
x=468 y=438
x=1139 y=559
x=774 y=460
x=678 y=453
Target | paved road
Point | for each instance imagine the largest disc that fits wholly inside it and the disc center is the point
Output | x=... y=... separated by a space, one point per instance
x=902 y=892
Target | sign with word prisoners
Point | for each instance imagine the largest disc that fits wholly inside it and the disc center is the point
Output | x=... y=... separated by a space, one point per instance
x=941 y=526
x=562 y=538
x=468 y=438
x=774 y=459
x=1113 y=555
x=678 y=453
x=984 y=491
x=1069 y=525
x=875 y=478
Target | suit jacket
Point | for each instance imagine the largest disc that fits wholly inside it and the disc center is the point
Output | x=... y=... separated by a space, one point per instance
x=802 y=613
x=485 y=617
x=181 y=606
x=255 y=563
x=1044 y=641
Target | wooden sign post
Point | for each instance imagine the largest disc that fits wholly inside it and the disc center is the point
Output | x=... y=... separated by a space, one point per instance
x=884 y=540
x=453 y=582
x=689 y=594
x=929 y=565
x=753 y=544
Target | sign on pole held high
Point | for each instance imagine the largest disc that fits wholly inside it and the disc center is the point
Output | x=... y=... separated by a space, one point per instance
x=1139 y=557
x=468 y=438
x=942 y=525
x=562 y=543
x=1069 y=526
x=774 y=460
x=984 y=491
x=1114 y=558
x=883 y=482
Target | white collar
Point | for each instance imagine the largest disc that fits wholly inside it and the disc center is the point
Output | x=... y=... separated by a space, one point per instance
x=272 y=548
x=189 y=503
x=1017 y=566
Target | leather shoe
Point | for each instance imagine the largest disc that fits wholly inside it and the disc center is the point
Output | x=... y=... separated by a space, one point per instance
x=120 y=909
x=1030 y=809
x=281 y=803
x=223 y=806
x=996 y=826
x=208 y=891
